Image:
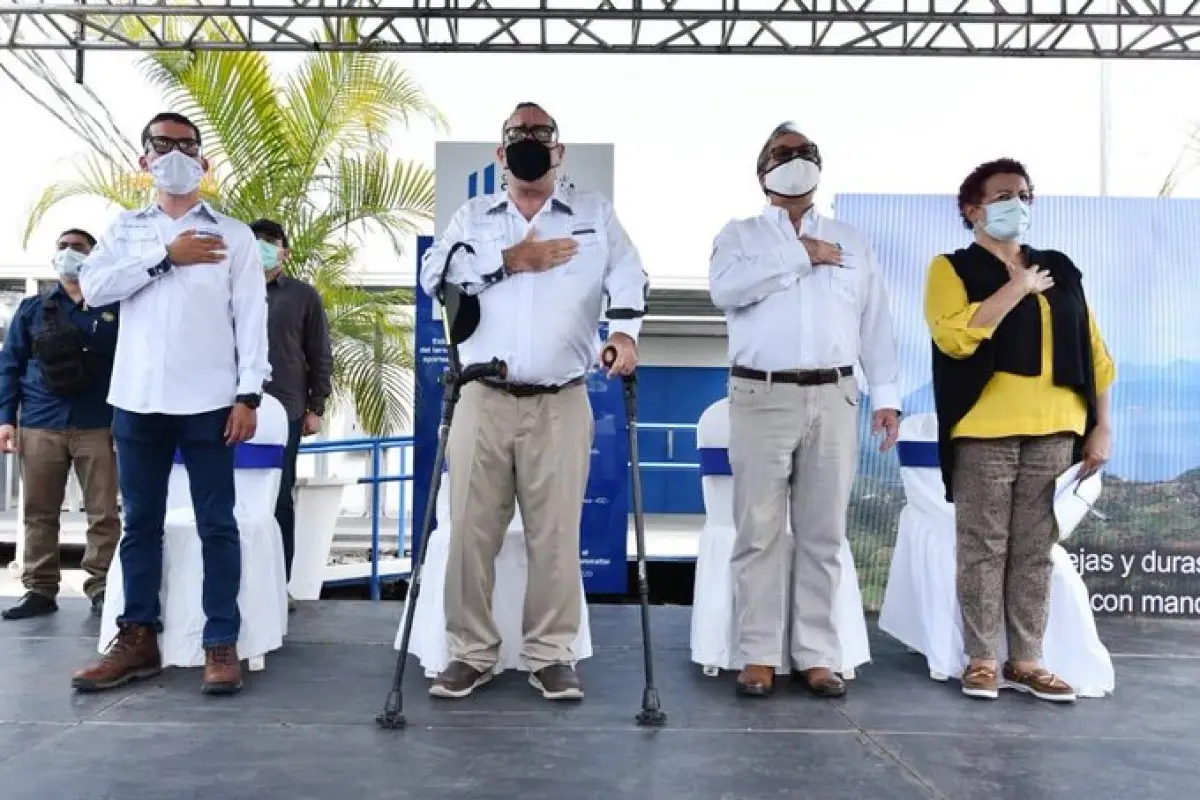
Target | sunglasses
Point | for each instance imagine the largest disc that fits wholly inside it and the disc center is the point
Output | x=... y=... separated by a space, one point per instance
x=808 y=152
x=165 y=144
x=546 y=134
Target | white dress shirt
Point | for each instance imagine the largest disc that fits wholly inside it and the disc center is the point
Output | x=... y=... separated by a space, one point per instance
x=543 y=325
x=192 y=338
x=784 y=313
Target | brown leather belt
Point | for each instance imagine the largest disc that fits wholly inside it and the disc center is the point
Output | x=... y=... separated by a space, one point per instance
x=796 y=377
x=529 y=389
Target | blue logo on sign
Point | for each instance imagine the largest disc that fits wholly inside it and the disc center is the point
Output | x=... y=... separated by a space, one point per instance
x=489 y=182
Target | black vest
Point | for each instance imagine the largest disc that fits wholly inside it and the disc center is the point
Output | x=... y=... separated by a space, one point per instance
x=1016 y=344
x=60 y=347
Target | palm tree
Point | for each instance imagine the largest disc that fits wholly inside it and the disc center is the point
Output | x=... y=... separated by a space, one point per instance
x=311 y=151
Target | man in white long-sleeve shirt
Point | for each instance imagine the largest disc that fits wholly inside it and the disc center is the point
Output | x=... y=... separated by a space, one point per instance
x=190 y=365
x=546 y=259
x=804 y=302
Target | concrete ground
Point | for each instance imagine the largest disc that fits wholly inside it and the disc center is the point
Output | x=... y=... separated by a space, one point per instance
x=304 y=729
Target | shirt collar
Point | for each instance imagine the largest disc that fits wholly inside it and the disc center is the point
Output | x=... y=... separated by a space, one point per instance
x=558 y=202
x=201 y=207
x=777 y=212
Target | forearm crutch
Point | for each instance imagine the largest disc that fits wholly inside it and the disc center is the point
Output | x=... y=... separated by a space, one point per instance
x=460 y=318
x=651 y=714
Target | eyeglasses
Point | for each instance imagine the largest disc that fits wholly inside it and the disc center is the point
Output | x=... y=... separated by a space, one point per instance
x=546 y=134
x=165 y=144
x=808 y=152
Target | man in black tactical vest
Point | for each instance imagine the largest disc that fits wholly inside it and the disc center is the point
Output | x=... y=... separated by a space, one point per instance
x=55 y=369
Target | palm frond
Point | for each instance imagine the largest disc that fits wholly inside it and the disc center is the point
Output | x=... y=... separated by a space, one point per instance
x=97 y=178
x=310 y=151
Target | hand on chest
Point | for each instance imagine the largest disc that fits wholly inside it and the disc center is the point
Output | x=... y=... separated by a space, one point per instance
x=591 y=254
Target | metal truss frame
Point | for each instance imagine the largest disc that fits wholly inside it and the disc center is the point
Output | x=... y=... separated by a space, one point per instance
x=1148 y=29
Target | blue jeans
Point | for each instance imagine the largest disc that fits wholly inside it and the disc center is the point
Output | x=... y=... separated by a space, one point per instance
x=146 y=446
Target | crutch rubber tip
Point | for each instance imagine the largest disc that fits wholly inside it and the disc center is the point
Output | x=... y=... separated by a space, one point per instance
x=652 y=718
x=390 y=720
x=392 y=716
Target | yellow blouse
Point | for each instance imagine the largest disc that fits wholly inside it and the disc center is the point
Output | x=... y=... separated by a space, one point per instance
x=1011 y=405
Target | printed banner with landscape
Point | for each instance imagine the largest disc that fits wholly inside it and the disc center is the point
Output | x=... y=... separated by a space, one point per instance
x=1139 y=258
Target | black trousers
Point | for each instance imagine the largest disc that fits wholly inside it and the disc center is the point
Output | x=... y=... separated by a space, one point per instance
x=285 y=507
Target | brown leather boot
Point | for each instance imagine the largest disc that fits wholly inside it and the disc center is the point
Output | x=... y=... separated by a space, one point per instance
x=756 y=680
x=823 y=682
x=132 y=656
x=222 y=670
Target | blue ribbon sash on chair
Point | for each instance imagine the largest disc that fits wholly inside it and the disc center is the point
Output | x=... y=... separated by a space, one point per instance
x=918 y=454
x=714 y=461
x=252 y=456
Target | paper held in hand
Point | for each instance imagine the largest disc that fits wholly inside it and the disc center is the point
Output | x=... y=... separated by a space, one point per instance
x=1074 y=499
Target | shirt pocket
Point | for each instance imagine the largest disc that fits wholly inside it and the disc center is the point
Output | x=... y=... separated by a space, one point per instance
x=592 y=255
x=845 y=287
x=137 y=241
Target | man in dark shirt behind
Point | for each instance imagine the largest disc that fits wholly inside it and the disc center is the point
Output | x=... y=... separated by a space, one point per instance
x=301 y=363
x=55 y=370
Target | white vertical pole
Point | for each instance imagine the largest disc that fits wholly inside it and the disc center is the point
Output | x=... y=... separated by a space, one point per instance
x=1105 y=125
x=1107 y=39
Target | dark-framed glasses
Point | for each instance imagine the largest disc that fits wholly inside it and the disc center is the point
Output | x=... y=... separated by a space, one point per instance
x=165 y=144
x=546 y=134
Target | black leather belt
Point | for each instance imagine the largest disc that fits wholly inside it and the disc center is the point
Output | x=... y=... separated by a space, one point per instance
x=529 y=389
x=796 y=377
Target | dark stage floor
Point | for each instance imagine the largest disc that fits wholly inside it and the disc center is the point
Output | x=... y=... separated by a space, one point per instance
x=304 y=729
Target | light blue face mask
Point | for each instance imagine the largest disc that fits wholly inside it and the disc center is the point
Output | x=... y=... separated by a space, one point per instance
x=270 y=255
x=1006 y=220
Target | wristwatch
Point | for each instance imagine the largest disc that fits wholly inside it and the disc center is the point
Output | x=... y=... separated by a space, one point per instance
x=249 y=400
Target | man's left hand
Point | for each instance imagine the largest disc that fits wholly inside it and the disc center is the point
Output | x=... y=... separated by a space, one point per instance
x=312 y=424
x=887 y=422
x=1096 y=451
x=242 y=423
x=627 y=355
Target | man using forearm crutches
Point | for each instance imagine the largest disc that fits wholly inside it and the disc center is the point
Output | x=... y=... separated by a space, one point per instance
x=544 y=261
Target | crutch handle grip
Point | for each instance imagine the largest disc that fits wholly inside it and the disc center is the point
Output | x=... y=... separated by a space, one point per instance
x=489 y=369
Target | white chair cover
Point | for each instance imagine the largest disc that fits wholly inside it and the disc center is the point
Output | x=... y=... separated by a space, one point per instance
x=262 y=599
x=428 y=641
x=920 y=604
x=714 y=634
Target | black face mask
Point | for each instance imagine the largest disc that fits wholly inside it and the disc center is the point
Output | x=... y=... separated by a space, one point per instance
x=528 y=159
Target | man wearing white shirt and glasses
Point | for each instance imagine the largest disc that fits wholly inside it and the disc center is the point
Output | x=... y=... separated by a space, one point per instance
x=804 y=302
x=189 y=371
x=547 y=261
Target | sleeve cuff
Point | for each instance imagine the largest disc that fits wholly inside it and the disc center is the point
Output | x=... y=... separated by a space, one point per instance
x=885 y=396
x=160 y=263
x=630 y=327
x=250 y=385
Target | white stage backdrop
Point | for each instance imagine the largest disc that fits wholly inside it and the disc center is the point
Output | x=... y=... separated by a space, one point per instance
x=1139 y=258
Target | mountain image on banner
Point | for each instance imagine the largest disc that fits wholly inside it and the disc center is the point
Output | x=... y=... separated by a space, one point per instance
x=1155 y=409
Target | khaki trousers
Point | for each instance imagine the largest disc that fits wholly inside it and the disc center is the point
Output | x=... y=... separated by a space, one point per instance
x=46 y=460
x=535 y=451
x=798 y=446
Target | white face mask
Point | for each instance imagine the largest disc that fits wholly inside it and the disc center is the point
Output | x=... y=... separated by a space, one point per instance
x=794 y=178
x=177 y=174
x=1006 y=220
x=67 y=263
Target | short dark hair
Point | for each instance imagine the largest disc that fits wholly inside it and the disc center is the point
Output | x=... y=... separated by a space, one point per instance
x=764 y=155
x=971 y=191
x=168 y=116
x=521 y=107
x=269 y=229
x=91 y=240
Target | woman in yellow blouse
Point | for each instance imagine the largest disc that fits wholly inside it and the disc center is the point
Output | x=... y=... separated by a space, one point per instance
x=1021 y=379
